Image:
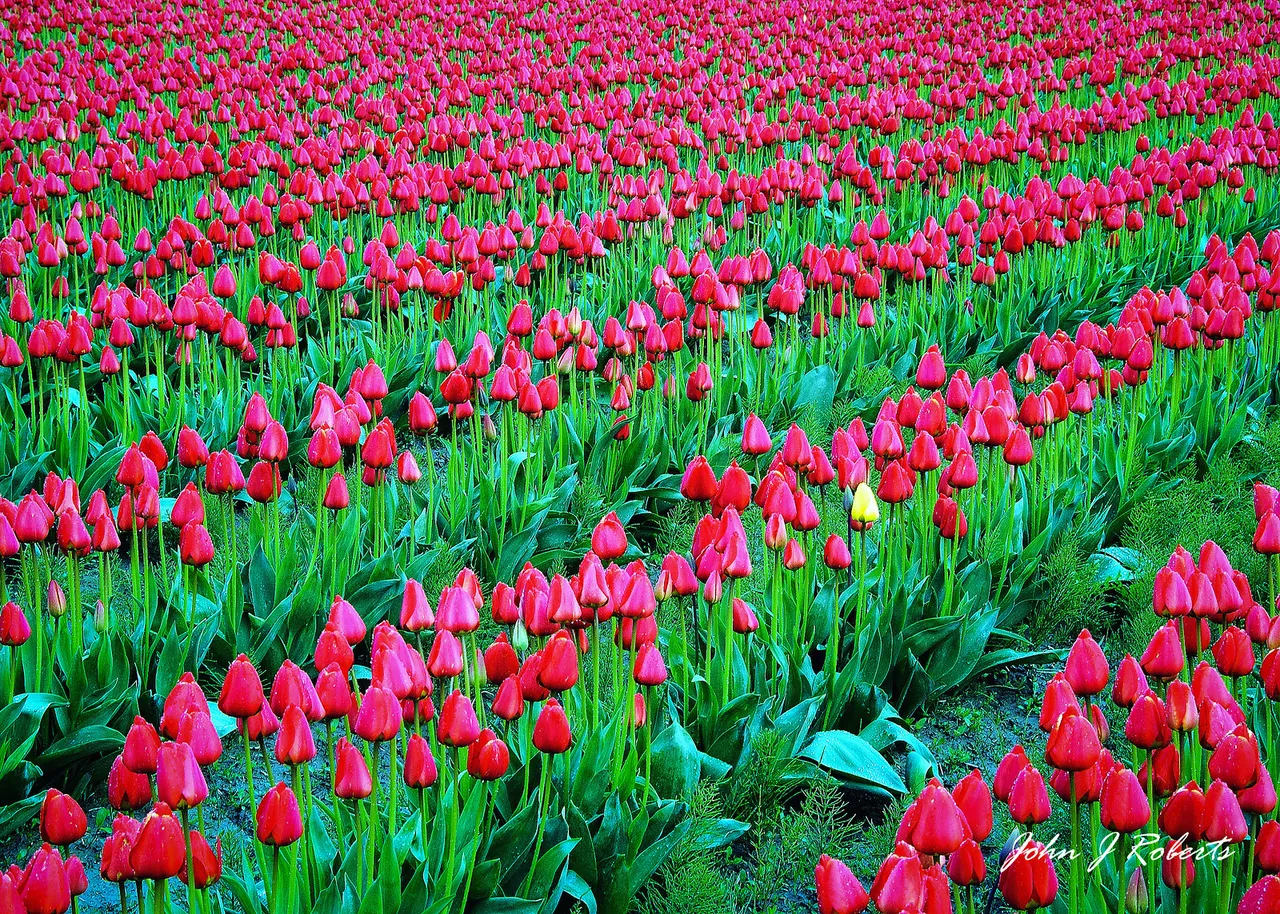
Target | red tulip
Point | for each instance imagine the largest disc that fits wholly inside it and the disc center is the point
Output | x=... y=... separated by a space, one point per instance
x=352 y=780
x=458 y=724
x=294 y=743
x=180 y=783
x=15 y=630
x=551 y=731
x=1086 y=669
x=378 y=718
x=1028 y=879
x=1263 y=897
x=1029 y=798
x=45 y=887
x=1073 y=743
x=241 y=694
x=279 y=821
x=1124 y=806
x=609 y=539
x=159 y=850
x=62 y=821
x=141 y=747
x=487 y=757
x=419 y=765
x=974 y=800
x=127 y=789
x=899 y=883
x=115 y=865
x=941 y=827
x=1007 y=773
x=839 y=891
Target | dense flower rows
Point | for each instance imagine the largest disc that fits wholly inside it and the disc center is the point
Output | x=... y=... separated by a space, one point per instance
x=481 y=420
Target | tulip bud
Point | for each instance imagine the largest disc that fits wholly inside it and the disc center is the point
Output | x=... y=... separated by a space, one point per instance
x=57 y=600
x=551 y=732
x=1135 y=896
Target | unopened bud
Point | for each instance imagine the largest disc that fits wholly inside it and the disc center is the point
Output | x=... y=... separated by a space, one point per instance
x=1135 y=896
x=57 y=600
x=520 y=636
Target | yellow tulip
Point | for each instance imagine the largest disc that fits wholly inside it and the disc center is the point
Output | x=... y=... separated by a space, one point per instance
x=865 y=509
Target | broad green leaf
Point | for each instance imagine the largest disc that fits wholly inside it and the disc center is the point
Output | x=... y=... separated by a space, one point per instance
x=854 y=759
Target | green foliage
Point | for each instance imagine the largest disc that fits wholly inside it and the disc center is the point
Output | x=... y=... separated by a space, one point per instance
x=1073 y=596
x=690 y=882
x=675 y=529
x=782 y=877
x=761 y=787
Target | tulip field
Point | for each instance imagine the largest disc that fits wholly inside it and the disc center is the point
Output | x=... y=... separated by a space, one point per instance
x=484 y=456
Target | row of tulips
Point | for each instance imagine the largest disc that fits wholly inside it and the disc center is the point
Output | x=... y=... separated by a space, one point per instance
x=1207 y=342
x=139 y=351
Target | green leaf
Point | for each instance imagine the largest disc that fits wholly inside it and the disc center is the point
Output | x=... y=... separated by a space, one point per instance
x=508 y=906
x=173 y=656
x=676 y=762
x=725 y=832
x=262 y=583
x=653 y=856
x=85 y=742
x=514 y=836
x=817 y=388
x=1117 y=564
x=853 y=758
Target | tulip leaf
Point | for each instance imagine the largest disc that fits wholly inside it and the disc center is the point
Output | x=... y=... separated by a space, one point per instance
x=885 y=732
x=262 y=583
x=676 y=762
x=318 y=837
x=87 y=741
x=722 y=834
x=514 y=836
x=18 y=815
x=383 y=897
x=1007 y=657
x=508 y=905
x=240 y=887
x=329 y=901
x=484 y=881
x=548 y=866
x=611 y=833
x=583 y=858
x=854 y=759
x=647 y=861
x=794 y=724
x=223 y=724
x=173 y=656
x=414 y=898
x=1116 y=564
x=579 y=888
x=817 y=389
